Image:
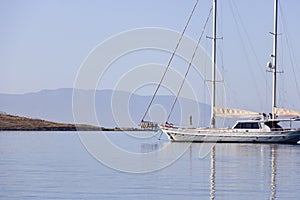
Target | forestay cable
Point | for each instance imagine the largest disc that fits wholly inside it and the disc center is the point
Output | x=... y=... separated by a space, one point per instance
x=170 y=60
x=290 y=50
x=189 y=66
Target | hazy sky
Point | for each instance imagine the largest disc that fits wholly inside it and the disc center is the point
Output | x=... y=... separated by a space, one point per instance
x=44 y=42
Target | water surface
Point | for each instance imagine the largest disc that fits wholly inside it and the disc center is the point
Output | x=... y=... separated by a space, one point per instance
x=55 y=165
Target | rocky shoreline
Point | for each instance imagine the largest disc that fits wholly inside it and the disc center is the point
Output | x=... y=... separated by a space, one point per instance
x=16 y=123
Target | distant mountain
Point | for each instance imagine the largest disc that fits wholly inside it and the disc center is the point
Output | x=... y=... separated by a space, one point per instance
x=112 y=108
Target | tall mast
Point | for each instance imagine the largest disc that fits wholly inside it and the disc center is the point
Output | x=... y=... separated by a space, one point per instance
x=274 y=58
x=213 y=85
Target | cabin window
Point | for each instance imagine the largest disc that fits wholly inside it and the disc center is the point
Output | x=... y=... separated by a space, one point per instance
x=274 y=126
x=254 y=126
x=238 y=126
x=247 y=125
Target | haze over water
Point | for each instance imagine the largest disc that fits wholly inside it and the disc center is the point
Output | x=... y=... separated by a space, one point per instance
x=55 y=165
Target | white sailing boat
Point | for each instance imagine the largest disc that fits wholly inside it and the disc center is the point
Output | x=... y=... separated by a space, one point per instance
x=262 y=129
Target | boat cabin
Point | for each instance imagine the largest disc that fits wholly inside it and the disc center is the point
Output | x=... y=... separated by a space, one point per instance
x=271 y=125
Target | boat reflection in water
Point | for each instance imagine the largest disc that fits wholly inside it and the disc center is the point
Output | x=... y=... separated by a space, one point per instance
x=273 y=173
x=212 y=172
x=216 y=168
x=267 y=171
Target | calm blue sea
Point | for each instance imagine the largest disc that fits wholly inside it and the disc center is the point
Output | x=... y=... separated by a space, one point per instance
x=56 y=165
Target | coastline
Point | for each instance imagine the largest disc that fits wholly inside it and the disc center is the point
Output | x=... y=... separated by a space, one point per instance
x=16 y=123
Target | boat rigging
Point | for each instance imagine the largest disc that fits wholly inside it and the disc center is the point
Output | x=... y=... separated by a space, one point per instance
x=262 y=129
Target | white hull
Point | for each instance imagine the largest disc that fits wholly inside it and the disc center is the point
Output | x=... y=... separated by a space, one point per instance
x=230 y=135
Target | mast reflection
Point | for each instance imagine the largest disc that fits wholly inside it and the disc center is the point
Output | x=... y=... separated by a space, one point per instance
x=273 y=172
x=212 y=172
